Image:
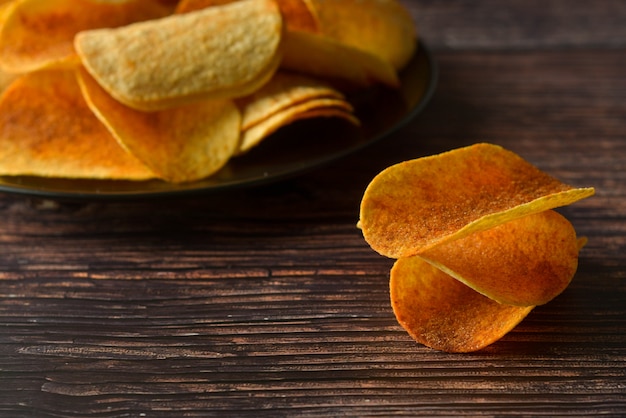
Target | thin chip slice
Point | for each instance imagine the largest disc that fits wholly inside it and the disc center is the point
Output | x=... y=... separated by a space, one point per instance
x=442 y=313
x=315 y=108
x=5 y=77
x=229 y=51
x=283 y=90
x=39 y=34
x=319 y=56
x=179 y=145
x=5 y=7
x=415 y=205
x=46 y=129
x=383 y=28
x=524 y=262
x=296 y=13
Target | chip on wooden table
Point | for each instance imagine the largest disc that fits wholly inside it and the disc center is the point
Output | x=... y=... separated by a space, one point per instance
x=296 y=13
x=383 y=28
x=217 y=52
x=47 y=129
x=477 y=242
x=181 y=144
x=414 y=205
x=312 y=108
x=444 y=314
x=39 y=34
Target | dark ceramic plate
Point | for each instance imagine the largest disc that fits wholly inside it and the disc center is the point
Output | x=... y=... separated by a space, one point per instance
x=293 y=150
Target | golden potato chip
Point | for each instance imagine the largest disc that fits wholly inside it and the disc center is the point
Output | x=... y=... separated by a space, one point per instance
x=442 y=313
x=182 y=144
x=415 y=205
x=298 y=16
x=4 y=9
x=319 y=56
x=170 y=4
x=46 y=129
x=524 y=262
x=283 y=90
x=296 y=13
x=314 y=108
x=39 y=34
x=477 y=243
x=229 y=51
x=383 y=28
x=5 y=77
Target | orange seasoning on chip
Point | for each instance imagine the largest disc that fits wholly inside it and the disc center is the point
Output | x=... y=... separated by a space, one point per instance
x=477 y=243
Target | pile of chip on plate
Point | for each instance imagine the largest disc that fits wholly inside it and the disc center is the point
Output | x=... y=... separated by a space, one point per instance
x=172 y=90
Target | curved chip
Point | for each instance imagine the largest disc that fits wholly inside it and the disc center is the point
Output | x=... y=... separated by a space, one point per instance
x=477 y=243
x=229 y=51
x=47 y=129
x=5 y=77
x=283 y=90
x=314 y=108
x=39 y=34
x=383 y=28
x=296 y=13
x=524 y=262
x=320 y=56
x=442 y=313
x=415 y=205
x=182 y=144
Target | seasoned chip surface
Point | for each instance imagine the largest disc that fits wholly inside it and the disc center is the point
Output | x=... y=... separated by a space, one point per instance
x=383 y=28
x=46 y=129
x=417 y=204
x=40 y=34
x=442 y=313
x=218 y=52
x=182 y=144
x=524 y=262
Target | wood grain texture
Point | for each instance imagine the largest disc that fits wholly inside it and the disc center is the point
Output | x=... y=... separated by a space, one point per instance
x=267 y=301
x=520 y=24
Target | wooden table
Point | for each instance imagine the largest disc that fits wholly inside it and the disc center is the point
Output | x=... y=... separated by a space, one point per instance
x=268 y=302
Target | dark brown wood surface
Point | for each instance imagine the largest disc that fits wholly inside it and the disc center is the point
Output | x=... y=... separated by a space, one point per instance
x=268 y=302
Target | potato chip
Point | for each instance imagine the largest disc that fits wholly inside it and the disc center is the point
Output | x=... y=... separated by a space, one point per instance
x=229 y=51
x=283 y=90
x=442 y=313
x=415 y=205
x=314 y=108
x=182 y=144
x=46 y=129
x=383 y=28
x=477 y=243
x=524 y=262
x=296 y=13
x=5 y=9
x=5 y=77
x=319 y=56
x=39 y=34
x=298 y=16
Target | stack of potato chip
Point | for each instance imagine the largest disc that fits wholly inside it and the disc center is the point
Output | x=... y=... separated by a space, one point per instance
x=140 y=89
x=477 y=243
